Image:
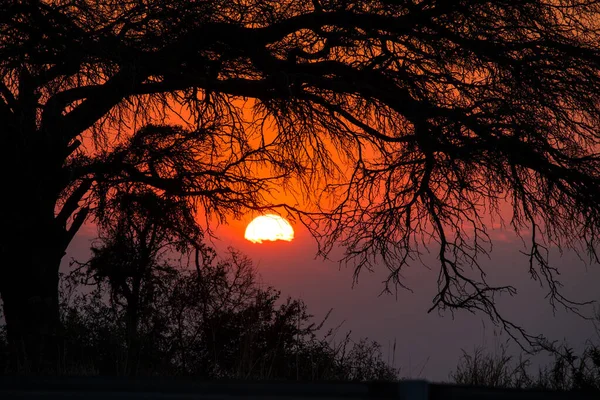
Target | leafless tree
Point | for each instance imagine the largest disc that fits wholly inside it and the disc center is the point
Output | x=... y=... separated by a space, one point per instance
x=413 y=119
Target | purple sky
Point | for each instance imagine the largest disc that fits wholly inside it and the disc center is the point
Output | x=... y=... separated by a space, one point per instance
x=427 y=345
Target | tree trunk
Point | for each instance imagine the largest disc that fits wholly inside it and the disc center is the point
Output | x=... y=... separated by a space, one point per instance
x=32 y=245
x=29 y=289
x=32 y=239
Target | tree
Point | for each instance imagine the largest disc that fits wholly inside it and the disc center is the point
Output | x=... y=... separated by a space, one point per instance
x=422 y=116
x=138 y=231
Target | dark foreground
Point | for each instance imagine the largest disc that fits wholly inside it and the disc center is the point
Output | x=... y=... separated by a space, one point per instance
x=158 y=388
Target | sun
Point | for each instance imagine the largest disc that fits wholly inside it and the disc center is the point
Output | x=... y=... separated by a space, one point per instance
x=269 y=227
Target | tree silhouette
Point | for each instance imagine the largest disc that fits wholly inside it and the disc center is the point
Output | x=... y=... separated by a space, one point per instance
x=138 y=231
x=418 y=118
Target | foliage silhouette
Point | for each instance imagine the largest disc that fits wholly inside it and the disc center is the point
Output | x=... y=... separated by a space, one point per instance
x=568 y=371
x=492 y=370
x=413 y=119
x=137 y=229
x=214 y=322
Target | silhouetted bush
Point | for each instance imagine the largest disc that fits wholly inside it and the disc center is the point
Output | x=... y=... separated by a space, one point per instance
x=212 y=322
x=499 y=369
x=572 y=372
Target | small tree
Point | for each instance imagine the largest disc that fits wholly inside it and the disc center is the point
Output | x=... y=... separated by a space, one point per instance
x=139 y=230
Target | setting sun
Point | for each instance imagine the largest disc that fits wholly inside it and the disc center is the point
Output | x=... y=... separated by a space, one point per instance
x=269 y=227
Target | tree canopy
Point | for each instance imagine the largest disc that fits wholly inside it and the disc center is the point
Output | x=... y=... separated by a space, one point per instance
x=405 y=123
